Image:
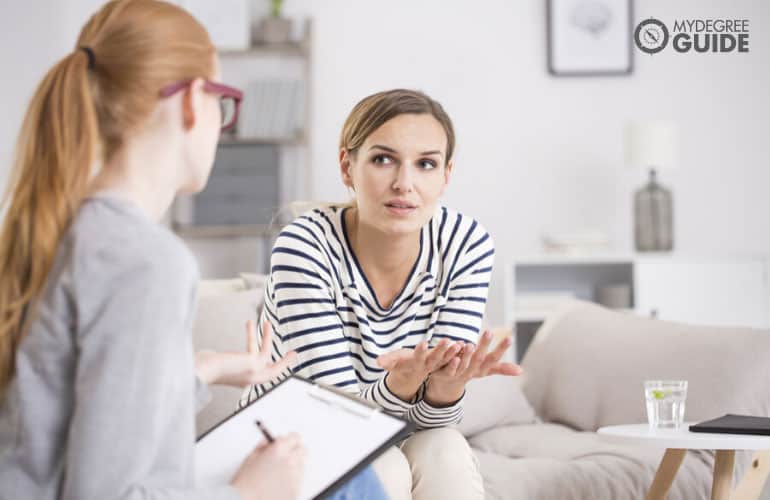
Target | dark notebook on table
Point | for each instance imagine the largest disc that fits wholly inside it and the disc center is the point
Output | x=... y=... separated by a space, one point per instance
x=735 y=424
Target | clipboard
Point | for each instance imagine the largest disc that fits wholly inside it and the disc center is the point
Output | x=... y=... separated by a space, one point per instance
x=341 y=433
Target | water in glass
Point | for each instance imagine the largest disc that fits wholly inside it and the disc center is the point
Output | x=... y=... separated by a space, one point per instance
x=665 y=402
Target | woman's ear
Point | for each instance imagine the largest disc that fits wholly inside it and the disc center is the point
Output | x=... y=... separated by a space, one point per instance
x=191 y=102
x=345 y=166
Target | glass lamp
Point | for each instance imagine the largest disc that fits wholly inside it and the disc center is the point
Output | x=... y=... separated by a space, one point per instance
x=653 y=146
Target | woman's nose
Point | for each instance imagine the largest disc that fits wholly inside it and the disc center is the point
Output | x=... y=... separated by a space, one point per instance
x=403 y=180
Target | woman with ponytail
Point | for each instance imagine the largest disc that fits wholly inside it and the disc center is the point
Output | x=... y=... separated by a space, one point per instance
x=98 y=382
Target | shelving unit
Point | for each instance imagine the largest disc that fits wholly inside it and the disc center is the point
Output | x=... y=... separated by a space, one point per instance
x=234 y=221
x=542 y=282
x=225 y=231
x=292 y=49
x=227 y=140
x=716 y=291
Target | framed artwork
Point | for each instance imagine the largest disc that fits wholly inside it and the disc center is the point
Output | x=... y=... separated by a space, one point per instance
x=590 y=37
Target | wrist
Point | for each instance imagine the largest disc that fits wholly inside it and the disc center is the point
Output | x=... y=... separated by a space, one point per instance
x=206 y=368
x=438 y=394
x=403 y=389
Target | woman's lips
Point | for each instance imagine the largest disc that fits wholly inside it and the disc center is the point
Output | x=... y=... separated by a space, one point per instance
x=400 y=209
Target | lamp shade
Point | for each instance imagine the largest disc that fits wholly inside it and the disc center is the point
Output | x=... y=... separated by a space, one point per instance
x=652 y=145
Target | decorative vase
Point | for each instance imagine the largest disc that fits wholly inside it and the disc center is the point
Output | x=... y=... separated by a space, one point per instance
x=653 y=217
x=275 y=30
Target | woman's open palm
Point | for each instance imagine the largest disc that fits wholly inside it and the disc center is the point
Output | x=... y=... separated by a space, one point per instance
x=242 y=369
x=476 y=362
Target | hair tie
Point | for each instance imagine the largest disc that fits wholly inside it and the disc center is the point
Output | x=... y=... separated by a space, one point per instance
x=91 y=57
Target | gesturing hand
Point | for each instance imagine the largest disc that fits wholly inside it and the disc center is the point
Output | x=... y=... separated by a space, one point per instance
x=242 y=369
x=408 y=368
x=447 y=384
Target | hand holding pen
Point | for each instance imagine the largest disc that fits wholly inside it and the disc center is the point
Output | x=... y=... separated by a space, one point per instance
x=268 y=436
x=274 y=469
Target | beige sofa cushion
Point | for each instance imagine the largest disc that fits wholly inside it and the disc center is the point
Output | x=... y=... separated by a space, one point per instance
x=492 y=402
x=552 y=461
x=496 y=400
x=585 y=367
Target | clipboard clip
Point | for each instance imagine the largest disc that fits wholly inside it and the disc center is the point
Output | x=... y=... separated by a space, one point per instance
x=349 y=403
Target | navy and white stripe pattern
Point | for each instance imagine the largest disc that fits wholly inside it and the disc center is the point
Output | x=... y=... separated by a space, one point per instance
x=321 y=305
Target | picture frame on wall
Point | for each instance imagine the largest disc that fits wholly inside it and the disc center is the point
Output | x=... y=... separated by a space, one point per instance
x=590 y=37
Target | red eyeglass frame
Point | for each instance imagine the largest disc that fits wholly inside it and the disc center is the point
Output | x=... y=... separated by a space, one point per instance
x=213 y=88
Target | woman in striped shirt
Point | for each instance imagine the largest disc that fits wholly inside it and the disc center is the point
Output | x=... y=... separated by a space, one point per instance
x=385 y=297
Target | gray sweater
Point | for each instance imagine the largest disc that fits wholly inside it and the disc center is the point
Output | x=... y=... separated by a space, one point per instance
x=102 y=404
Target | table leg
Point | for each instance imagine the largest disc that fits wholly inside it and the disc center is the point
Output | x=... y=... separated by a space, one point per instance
x=723 y=475
x=750 y=487
x=667 y=470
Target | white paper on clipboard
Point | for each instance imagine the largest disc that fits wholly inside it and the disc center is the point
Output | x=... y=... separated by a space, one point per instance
x=338 y=433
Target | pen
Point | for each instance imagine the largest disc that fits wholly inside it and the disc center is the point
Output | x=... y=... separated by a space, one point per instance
x=264 y=431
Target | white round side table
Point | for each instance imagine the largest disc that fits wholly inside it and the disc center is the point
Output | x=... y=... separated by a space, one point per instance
x=678 y=441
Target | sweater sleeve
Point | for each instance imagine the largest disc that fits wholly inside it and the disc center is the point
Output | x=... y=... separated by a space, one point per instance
x=131 y=433
x=461 y=318
x=202 y=394
x=300 y=305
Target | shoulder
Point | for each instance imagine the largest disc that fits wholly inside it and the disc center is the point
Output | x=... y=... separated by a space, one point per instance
x=108 y=241
x=454 y=231
x=324 y=221
x=317 y=232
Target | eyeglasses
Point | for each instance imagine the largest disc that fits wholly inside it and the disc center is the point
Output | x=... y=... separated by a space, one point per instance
x=229 y=98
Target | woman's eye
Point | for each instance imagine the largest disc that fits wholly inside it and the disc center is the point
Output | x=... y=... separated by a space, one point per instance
x=427 y=164
x=382 y=160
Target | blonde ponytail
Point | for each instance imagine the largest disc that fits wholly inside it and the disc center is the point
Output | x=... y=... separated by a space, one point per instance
x=78 y=118
x=55 y=153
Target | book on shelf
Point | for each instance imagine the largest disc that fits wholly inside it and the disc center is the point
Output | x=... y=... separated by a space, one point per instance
x=272 y=109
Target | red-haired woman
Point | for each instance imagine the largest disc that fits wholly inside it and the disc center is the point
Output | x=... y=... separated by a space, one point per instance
x=97 y=373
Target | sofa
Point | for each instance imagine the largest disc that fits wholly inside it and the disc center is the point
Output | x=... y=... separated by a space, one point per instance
x=535 y=435
x=584 y=370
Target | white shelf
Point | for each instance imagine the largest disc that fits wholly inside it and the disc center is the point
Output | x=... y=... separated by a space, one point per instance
x=716 y=290
x=269 y=141
x=711 y=291
x=576 y=259
x=531 y=316
x=226 y=231
x=540 y=315
x=294 y=49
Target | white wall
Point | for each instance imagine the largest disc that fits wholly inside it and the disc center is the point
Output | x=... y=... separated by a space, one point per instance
x=27 y=50
x=538 y=153
x=535 y=153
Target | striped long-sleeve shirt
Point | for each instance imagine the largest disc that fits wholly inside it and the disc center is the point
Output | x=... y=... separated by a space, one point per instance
x=322 y=306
